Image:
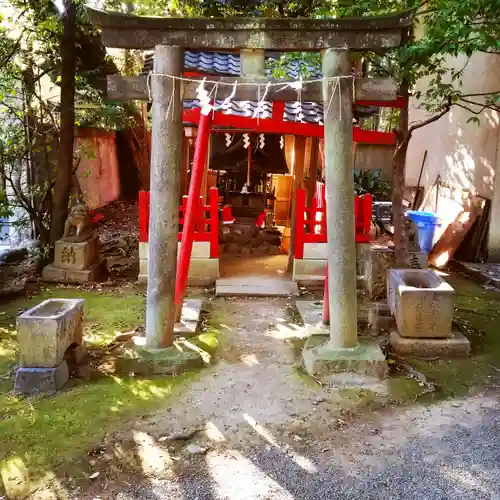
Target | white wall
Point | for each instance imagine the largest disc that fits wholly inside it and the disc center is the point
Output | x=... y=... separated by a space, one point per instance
x=465 y=155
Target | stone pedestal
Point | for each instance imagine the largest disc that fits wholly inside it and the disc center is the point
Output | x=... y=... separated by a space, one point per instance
x=325 y=362
x=379 y=260
x=380 y=318
x=41 y=380
x=45 y=332
x=75 y=262
x=76 y=255
x=455 y=346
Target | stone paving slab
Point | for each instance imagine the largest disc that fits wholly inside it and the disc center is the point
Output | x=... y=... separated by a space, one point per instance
x=190 y=318
x=255 y=286
x=487 y=273
x=311 y=313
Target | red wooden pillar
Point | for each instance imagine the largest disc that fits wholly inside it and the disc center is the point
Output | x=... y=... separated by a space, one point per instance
x=300 y=208
x=200 y=157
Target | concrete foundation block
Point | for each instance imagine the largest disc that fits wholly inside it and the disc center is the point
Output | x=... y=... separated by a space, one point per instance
x=143 y=250
x=93 y=273
x=362 y=254
x=311 y=274
x=201 y=250
x=422 y=303
x=311 y=313
x=190 y=318
x=76 y=255
x=41 y=380
x=143 y=268
x=378 y=261
x=456 y=346
x=203 y=269
x=315 y=251
x=47 y=330
x=53 y=274
x=202 y=272
x=380 y=318
x=174 y=360
x=322 y=361
x=309 y=269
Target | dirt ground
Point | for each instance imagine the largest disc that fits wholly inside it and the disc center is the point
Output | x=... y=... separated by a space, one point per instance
x=254 y=428
x=253 y=391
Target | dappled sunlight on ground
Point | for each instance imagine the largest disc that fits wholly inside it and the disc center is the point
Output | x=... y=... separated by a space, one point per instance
x=261 y=423
x=154 y=459
x=301 y=461
x=249 y=359
x=236 y=477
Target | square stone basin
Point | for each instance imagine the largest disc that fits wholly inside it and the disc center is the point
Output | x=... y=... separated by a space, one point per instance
x=421 y=301
x=51 y=308
x=47 y=330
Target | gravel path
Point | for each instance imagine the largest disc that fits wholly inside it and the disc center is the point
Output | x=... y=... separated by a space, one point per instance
x=264 y=434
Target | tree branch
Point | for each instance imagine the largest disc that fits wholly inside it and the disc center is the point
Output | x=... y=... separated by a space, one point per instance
x=13 y=111
x=12 y=53
x=423 y=123
x=481 y=94
x=481 y=105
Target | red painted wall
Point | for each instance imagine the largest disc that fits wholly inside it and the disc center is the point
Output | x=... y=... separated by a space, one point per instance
x=98 y=172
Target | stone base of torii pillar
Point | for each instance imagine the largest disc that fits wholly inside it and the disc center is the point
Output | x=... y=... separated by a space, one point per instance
x=341 y=351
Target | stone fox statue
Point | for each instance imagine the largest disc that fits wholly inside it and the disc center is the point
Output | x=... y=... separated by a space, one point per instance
x=78 y=226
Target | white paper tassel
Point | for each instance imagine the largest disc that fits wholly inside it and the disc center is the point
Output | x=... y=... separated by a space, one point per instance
x=282 y=142
x=229 y=139
x=262 y=141
x=202 y=95
x=246 y=141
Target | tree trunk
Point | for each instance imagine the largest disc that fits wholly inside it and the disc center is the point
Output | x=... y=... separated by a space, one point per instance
x=398 y=180
x=30 y=133
x=64 y=169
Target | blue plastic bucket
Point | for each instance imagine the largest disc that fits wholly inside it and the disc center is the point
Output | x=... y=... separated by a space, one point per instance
x=426 y=223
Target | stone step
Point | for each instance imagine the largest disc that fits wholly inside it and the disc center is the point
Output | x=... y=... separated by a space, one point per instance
x=255 y=286
x=316 y=282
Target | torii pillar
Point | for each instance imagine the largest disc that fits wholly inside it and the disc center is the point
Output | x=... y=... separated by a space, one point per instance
x=166 y=166
x=341 y=352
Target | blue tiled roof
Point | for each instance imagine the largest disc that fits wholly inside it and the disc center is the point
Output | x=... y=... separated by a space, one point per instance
x=220 y=63
x=228 y=64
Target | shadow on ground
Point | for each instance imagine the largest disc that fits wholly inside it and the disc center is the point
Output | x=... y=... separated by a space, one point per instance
x=446 y=452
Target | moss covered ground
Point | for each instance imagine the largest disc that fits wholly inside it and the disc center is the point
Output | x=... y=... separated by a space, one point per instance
x=40 y=437
x=477 y=312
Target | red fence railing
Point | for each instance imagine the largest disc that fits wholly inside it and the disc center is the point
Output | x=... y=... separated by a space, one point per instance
x=207 y=225
x=311 y=221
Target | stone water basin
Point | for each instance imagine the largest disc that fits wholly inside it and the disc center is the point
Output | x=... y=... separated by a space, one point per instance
x=422 y=303
x=47 y=330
